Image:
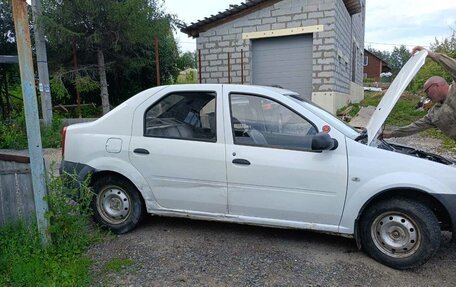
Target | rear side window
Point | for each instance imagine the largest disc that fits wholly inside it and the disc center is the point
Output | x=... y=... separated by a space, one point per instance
x=187 y=115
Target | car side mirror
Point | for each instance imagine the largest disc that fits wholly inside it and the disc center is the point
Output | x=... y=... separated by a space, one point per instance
x=323 y=141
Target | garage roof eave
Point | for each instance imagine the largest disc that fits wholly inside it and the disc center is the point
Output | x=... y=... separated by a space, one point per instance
x=353 y=6
x=234 y=12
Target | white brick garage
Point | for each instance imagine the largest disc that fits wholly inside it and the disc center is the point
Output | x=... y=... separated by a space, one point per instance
x=284 y=61
x=225 y=43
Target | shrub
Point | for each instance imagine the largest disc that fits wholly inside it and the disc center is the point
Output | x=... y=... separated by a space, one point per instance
x=13 y=134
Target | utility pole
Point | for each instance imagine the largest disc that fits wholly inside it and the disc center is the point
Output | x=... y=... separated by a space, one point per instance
x=42 y=63
x=24 y=50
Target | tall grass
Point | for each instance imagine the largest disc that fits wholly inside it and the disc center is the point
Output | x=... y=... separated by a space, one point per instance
x=24 y=261
x=13 y=134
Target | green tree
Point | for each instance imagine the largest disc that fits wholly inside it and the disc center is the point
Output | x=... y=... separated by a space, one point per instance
x=446 y=46
x=7 y=34
x=397 y=59
x=114 y=34
x=9 y=73
x=384 y=55
x=187 y=60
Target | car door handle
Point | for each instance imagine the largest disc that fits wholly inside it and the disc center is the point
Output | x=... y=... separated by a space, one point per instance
x=241 y=161
x=141 y=151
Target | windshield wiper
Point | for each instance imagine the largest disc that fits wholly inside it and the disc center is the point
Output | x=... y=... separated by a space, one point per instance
x=362 y=135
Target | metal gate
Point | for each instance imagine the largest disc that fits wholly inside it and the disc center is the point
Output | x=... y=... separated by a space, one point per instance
x=284 y=61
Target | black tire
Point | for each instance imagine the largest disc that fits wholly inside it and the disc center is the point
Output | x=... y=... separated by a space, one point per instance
x=400 y=233
x=117 y=204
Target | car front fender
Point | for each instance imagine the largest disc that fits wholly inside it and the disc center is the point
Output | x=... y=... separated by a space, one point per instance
x=360 y=192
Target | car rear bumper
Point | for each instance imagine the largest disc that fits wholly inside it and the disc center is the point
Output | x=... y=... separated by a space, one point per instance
x=77 y=171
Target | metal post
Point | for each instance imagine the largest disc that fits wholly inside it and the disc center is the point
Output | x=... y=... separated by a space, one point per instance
x=199 y=66
x=75 y=65
x=229 y=69
x=24 y=50
x=42 y=63
x=157 y=61
x=242 y=66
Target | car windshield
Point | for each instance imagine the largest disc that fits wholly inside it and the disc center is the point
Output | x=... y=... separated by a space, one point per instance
x=328 y=117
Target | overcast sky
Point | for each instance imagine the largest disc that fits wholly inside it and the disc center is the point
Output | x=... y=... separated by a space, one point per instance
x=388 y=22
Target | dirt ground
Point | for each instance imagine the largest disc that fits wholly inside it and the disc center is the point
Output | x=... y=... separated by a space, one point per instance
x=182 y=252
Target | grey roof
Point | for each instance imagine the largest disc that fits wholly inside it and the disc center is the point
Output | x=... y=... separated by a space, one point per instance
x=235 y=11
x=195 y=28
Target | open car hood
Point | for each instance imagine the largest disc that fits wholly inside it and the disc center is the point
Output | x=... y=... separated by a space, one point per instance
x=393 y=94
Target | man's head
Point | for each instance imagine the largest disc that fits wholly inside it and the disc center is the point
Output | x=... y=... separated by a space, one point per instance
x=436 y=89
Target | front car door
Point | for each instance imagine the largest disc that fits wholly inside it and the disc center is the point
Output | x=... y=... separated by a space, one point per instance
x=271 y=171
x=178 y=146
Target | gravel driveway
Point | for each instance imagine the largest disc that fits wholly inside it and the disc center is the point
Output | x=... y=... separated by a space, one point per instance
x=183 y=252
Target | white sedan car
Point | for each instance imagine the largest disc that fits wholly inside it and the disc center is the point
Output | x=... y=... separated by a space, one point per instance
x=264 y=156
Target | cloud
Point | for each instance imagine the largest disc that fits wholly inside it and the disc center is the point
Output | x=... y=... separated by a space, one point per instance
x=408 y=22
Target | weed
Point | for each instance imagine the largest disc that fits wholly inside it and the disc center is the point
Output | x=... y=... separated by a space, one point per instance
x=371 y=99
x=13 y=133
x=25 y=262
x=117 y=264
x=52 y=136
x=405 y=112
x=447 y=143
x=187 y=77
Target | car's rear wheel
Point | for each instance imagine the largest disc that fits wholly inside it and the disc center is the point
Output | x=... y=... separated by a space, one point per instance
x=400 y=233
x=117 y=205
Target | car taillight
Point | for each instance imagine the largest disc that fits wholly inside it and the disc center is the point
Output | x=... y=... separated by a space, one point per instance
x=63 y=141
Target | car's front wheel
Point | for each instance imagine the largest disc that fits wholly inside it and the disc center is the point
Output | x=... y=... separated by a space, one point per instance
x=117 y=204
x=400 y=233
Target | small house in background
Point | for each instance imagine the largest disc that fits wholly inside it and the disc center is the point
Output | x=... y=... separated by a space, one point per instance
x=312 y=47
x=374 y=66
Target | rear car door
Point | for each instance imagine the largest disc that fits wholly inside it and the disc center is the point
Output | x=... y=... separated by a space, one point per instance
x=177 y=144
x=271 y=171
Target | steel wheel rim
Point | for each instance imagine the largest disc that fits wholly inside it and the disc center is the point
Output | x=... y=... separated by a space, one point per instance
x=396 y=234
x=114 y=205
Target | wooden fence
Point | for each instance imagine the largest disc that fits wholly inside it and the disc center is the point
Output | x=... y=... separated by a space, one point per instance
x=16 y=192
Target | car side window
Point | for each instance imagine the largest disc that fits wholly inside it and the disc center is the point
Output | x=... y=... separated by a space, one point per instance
x=186 y=115
x=260 y=121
